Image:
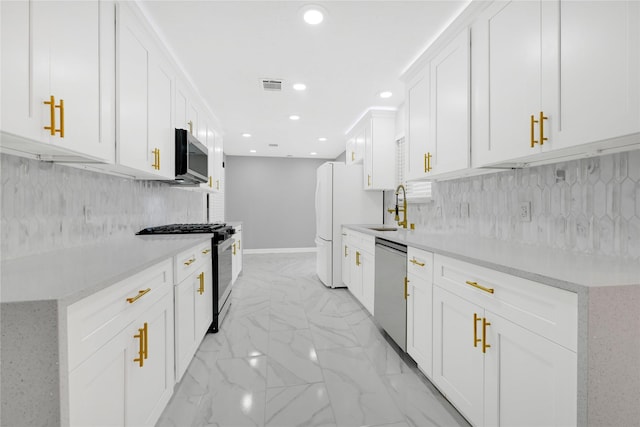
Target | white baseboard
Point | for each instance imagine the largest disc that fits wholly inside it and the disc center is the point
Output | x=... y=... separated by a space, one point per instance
x=278 y=250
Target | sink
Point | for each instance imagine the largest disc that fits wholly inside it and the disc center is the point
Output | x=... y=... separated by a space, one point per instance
x=383 y=228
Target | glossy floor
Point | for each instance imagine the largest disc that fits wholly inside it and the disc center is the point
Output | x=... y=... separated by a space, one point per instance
x=293 y=353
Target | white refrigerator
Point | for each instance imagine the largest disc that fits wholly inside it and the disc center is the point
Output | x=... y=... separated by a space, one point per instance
x=340 y=199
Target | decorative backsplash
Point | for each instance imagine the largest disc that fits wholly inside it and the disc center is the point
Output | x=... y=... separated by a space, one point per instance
x=47 y=206
x=589 y=205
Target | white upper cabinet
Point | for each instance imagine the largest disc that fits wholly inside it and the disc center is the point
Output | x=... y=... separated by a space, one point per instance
x=374 y=137
x=145 y=81
x=58 y=80
x=417 y=118
x=548 y=75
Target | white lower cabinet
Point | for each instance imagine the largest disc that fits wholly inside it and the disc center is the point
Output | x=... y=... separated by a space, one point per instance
x=504 y=348
x=128 y=378
x=346 y=259
x=193 y=304
x=419 y=308
x=236 y=252
x=362 y=274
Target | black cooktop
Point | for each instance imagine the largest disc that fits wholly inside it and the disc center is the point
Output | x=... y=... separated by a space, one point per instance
x=220 y=231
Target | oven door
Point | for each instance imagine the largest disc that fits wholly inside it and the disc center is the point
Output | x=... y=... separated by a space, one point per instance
x=224 y=257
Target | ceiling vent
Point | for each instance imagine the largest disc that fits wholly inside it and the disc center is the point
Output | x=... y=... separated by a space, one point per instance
x=272 y=84
x=273 y=145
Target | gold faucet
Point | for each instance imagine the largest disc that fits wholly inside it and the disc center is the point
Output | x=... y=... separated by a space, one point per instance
x=402 y=209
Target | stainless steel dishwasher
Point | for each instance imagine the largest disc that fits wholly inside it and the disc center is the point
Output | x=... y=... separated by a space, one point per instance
x=390 y=303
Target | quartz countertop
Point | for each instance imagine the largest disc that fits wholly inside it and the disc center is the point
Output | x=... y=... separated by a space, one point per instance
x=69 y=275
x=561 y=269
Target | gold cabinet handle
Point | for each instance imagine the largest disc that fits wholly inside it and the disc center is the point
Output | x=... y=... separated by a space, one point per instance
x=427 y=162
x=406 y=285
x=416 y=262
x=234 y=248
x=189 y=262
x=137 y=297
x=353 y=156
x=210 y=182
x=346 y=253
x=476 y=319
x=52 y=115
x=156 y=159
x=206 y=251
x=357 y=258
x=369 y=180
x=217 y=184
x=190 y=123
x=143 y=348
x=485 y=346
x=239 y=244
x=201 y=278
x=61 y=107
x=532 y=126
x=475 y=285
x=542 y=119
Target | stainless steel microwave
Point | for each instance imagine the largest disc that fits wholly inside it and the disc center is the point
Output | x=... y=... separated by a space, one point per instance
x=191 y=159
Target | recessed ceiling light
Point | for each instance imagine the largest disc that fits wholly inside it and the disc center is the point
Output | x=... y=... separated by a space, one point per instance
x=322 y=139
x=313 y=16
x=386 y=94
x=300 y=86
x=294 y=117
x=246 y=135
x=313 y=153
x=252 y=151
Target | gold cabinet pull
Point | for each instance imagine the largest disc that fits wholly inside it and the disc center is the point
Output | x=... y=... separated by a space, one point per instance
x=143 y=348
x=542 y=119
x=416 y=262
x=475 y=285
x=137 y=297
x=476 y=319
x=189 y=262
x=201 y=278
x=369 y=180
x=156 y=159
x=210 y=182
x=206 y=251
x=234 y=248
x=239 y=244
x=217 y=184
x=532 y=126
x=427 y=162
x=346 y=253
x=190 y=123
x=357 y=258
x=485 y=346
x=52 y=115
x=353 y=156
x=60 y=106
x=406 y=285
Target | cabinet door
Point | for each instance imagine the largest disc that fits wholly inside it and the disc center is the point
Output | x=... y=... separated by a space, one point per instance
x=185 y=321
x=417 y=116
x=368 y=156
x=203 y=303
x=218 y=170
x=97 y=386
x=355 y=284
x=458 y=365
x=368 y=270
x=160 y=106
x=239 y=250
x=350 y=151
x=419 y=323
x=74 y=65
x=346 y=261
x=599 y=78
x=529 y=380
x=150 y=386
x=450 y=106
x=234 y=260
x=507 y=80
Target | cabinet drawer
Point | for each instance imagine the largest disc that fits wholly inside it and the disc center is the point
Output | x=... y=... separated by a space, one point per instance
x=94 y=320
x=420 y=264
x=545 y=310
x=188 y=261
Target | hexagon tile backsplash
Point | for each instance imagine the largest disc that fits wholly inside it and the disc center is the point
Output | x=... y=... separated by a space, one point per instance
x=47 y=206
x=590 y=205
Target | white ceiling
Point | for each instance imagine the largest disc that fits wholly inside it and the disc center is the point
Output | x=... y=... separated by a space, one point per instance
x=359 y=50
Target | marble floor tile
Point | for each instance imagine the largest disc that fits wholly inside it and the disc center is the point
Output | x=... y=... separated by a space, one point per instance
x=292 y=359
x=358 y=395
x=303 y=405
x=292 y=352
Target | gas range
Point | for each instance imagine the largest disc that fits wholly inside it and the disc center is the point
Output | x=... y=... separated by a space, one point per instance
x=220 y=231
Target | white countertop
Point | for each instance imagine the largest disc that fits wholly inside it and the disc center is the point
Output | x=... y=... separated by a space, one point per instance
x=561 y=269
x=69 y=275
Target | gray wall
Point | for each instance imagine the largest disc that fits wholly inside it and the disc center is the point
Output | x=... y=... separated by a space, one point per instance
x=274 y=198
x=47 y=206
x=588 y=205
x=342 y=157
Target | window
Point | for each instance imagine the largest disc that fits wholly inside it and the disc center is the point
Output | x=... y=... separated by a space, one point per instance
x=417 y=191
